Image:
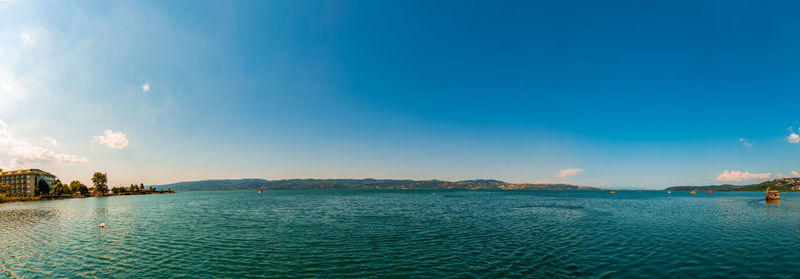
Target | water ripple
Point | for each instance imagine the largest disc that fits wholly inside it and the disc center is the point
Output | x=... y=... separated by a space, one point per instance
x=289 y=234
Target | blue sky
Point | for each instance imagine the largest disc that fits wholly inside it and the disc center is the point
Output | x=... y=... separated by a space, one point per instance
x=628 y=93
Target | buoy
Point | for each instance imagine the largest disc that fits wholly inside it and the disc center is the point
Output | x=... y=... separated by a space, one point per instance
x=669 y=192
x=102 y=225
x=613 y=192
x=709 y=192
x=693 y=192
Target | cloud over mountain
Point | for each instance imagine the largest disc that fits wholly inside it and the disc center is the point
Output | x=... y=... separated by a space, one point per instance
x=733 y=176
x=566 y=173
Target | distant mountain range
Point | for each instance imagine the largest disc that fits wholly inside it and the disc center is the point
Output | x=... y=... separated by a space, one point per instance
x=780 y=184
x=369 y=183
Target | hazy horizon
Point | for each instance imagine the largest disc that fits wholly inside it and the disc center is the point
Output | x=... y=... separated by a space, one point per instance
x=629 y=94
x=633 y=187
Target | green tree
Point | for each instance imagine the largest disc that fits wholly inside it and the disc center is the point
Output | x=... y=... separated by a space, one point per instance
x=120 y=190
x=76 y=187
x=42 y=188
x=60 y=190
x=100 y=181
x=5 y=190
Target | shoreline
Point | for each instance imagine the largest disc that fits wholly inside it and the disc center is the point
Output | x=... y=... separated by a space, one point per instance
x=50 y=198
x=493 y=190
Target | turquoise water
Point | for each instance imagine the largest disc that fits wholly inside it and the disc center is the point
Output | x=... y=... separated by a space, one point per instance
x=425 y=234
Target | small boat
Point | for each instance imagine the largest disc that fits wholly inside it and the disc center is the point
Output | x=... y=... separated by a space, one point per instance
x=709 y=192
x=693 y=192
x=260 y=190
x=102 y=225
x=669 y=192
x=613 y=192
x=773 y=195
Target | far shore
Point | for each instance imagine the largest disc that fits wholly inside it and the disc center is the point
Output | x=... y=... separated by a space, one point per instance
x=780 y=184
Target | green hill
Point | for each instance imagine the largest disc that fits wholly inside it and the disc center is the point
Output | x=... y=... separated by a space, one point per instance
x=780 y=184
x=369 y=183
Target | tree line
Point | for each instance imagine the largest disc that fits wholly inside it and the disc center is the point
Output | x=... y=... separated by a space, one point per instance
x=77 y=188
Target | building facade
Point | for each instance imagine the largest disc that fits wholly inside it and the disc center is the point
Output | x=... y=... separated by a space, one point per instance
x=23 y=182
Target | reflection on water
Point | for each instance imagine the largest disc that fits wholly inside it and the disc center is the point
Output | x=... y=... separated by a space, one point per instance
x=772 y=207
x=403 y=234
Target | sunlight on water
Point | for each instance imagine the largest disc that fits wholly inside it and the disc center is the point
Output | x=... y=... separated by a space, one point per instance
x=403 y=233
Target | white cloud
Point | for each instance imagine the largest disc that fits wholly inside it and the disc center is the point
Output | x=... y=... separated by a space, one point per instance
x=731 y=176
x=146 y=87
x=793 y=138
x=116 y=140
x=791 y=174
x=566 y=173
x=27 y=40
x=23 y=154
x=745 y=142
x=50 y=141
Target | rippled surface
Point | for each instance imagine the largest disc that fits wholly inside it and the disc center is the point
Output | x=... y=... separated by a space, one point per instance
x=404 y=233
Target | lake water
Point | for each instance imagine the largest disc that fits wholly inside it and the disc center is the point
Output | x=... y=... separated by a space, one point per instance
x=425 y=234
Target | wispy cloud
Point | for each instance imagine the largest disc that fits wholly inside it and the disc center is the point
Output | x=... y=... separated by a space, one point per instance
x=12 y=86
x=734 y=176
x=567 y=173
x=50 y=141
x=23 y=154
x=791 y=128
x=791 y=174
x=27 y=39
x=116 y=140
x=745 y=142
x=4 y=4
